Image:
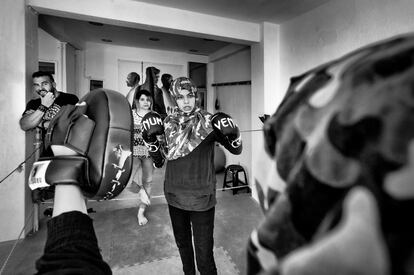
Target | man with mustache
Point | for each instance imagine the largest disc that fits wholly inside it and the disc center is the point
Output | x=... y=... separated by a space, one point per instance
x=38 y=114
x=41 y=110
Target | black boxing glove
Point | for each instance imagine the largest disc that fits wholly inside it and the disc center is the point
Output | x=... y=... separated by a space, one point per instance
x=153 y=126
x=154 y=150
x=225 y=127
x=92 y=145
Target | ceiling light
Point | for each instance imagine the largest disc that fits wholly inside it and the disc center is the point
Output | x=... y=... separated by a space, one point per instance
x=96 y=23
x=106 y=40
x=154 y=39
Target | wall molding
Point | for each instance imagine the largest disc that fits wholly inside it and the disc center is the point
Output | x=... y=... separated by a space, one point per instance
x=246 y=82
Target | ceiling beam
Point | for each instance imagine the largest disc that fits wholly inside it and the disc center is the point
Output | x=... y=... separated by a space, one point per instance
x=146 y=16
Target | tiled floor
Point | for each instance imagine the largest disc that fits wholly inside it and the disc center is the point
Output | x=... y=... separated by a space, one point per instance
x=150 y=249
x=172 y=265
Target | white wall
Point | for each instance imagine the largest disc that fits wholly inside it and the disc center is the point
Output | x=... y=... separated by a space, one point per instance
x=265 y=96
x=12 y=102
x=64 y=56
x=19 y=39
x=339 y=27
x=50 y=50
x=101 y=62
x=236 y=100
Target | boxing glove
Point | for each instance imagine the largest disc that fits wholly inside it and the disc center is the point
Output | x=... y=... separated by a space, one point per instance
x=224 y=126
x=92 y=145
x=153 y=126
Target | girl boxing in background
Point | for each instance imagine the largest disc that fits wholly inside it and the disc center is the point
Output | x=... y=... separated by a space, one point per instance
x=141 y=157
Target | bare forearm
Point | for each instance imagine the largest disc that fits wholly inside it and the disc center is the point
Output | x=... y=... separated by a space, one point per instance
x=30 y=121
x=68 y=198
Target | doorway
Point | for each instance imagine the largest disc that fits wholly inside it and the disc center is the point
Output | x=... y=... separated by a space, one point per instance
x=198 y=73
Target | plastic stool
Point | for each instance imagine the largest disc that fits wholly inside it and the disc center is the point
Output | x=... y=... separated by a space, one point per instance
x=235 y=169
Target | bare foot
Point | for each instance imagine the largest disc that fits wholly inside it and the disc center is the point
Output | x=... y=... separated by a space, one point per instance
x=142 y=220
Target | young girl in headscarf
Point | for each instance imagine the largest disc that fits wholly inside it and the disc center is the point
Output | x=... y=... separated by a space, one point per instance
x=141 y=157
x=190 y=180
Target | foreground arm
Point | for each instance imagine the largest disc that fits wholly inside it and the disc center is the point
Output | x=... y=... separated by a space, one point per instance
x=71 y=246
